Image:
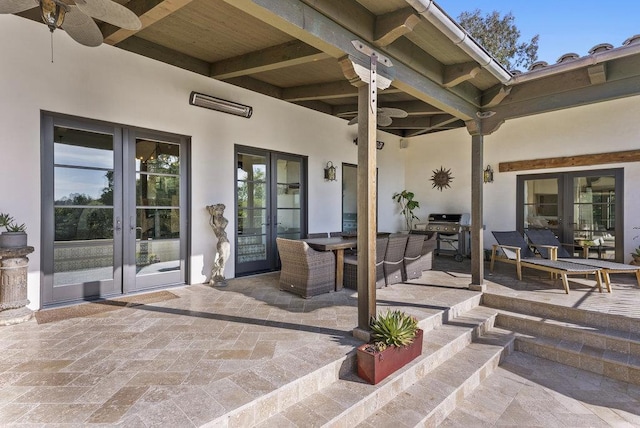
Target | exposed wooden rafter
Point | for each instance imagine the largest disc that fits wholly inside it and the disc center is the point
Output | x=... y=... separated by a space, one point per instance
x=597 y=74
x=166 y=55
x=273 y=58
x=458 y=73
x=149 y=12
x=494 y=96
x=391 y=26
x=323 y=31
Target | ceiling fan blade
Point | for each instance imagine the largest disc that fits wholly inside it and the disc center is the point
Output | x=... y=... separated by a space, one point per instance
x=392 y=112
x=111 y=12
x=384 y=120
x=82 y=28
x=353 y=121
x=16 y=6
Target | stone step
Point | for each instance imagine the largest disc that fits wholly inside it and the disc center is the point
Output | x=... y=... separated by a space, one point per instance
x=584 y=317
x=612 y=364
x=607 y=339
x=429 y=401
x=274 y=402
x=601 y=343
x=349 y=401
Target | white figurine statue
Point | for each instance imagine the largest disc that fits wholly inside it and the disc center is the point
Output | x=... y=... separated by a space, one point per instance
x=223 y=247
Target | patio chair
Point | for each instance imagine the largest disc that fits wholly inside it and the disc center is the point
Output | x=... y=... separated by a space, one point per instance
x=516 y=251
x=394 y=258
x=351 y=266
x=317 y=235
x=550 y=247
x=412 y=265
x=305 y=271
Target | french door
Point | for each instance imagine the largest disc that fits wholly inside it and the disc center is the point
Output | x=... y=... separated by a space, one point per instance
x=581 y=208
x=113 y=208
x=270 y=203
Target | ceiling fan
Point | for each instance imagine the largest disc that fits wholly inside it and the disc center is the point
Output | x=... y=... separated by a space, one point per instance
x=75 y=16
x=384 y=115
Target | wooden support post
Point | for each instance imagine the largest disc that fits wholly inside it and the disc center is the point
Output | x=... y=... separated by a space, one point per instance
x=367 y=216
x=477 y=182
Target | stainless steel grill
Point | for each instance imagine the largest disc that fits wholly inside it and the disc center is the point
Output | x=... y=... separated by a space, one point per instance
x=453 y=233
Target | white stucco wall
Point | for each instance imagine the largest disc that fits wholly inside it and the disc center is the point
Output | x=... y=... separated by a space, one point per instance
x=598 y=128
x=112 y=85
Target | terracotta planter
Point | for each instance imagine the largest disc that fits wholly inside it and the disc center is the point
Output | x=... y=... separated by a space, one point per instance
x=375 y=366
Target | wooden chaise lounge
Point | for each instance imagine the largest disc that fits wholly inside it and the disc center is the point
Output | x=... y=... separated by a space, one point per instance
x=516 y=251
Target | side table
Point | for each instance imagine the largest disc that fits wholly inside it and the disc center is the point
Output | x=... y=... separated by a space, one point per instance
x=13 y=285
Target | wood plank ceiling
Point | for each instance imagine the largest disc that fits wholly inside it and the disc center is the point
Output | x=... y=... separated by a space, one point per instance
x=291 y=50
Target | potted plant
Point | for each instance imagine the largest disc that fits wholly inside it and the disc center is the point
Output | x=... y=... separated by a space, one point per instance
x=407 y=205
x=15 y=235
x=395 y=341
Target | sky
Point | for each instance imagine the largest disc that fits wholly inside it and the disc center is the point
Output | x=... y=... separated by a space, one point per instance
x=563 y=25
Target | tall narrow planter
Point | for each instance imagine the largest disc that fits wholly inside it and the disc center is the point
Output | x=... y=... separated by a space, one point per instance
x=375 y=366
x=13 y=239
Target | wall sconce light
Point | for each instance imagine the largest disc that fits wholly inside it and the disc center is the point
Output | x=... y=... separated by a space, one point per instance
x=487 y=175
x=218 y=104
x=330 y=172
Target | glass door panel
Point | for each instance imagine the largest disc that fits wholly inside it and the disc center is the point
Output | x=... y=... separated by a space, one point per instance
x=594 y=207
x=83 y=215
x=269 y=204
x=157 y=213
x=541 y=209
x=253 y=219
x=113 y=208
x=288 y=212
x=580 y=207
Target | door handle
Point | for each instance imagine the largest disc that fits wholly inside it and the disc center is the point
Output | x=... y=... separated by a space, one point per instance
x=118 y=224
x=132 y=225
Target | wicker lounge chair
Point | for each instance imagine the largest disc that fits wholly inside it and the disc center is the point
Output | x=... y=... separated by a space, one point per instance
x=550 y=247
x=413 y=264
x=351 y=266
x=305 y=271
x=516 y=251
x=394 y=258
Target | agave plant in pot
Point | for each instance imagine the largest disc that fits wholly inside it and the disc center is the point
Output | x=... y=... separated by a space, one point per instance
x=396 y=340
x=15 y=235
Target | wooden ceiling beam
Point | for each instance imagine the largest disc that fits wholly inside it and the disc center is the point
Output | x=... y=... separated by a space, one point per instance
x=391 y=26
x=411 y=122
x=149 y=12
x=457 y=73
x=323 y=91
x=411 y=107
x=166 y=55
x=571 y=161
x=272 y=58
x=305 y=23
x=438 y=124
x=576 y=97
x=256 y=85
x=494 y=96
x=597 y=74
x=320 y=106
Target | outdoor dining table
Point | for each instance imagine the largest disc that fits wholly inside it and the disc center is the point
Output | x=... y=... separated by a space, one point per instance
x=337 y=245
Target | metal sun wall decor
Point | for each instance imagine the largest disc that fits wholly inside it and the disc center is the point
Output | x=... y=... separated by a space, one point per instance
x=441 y=178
